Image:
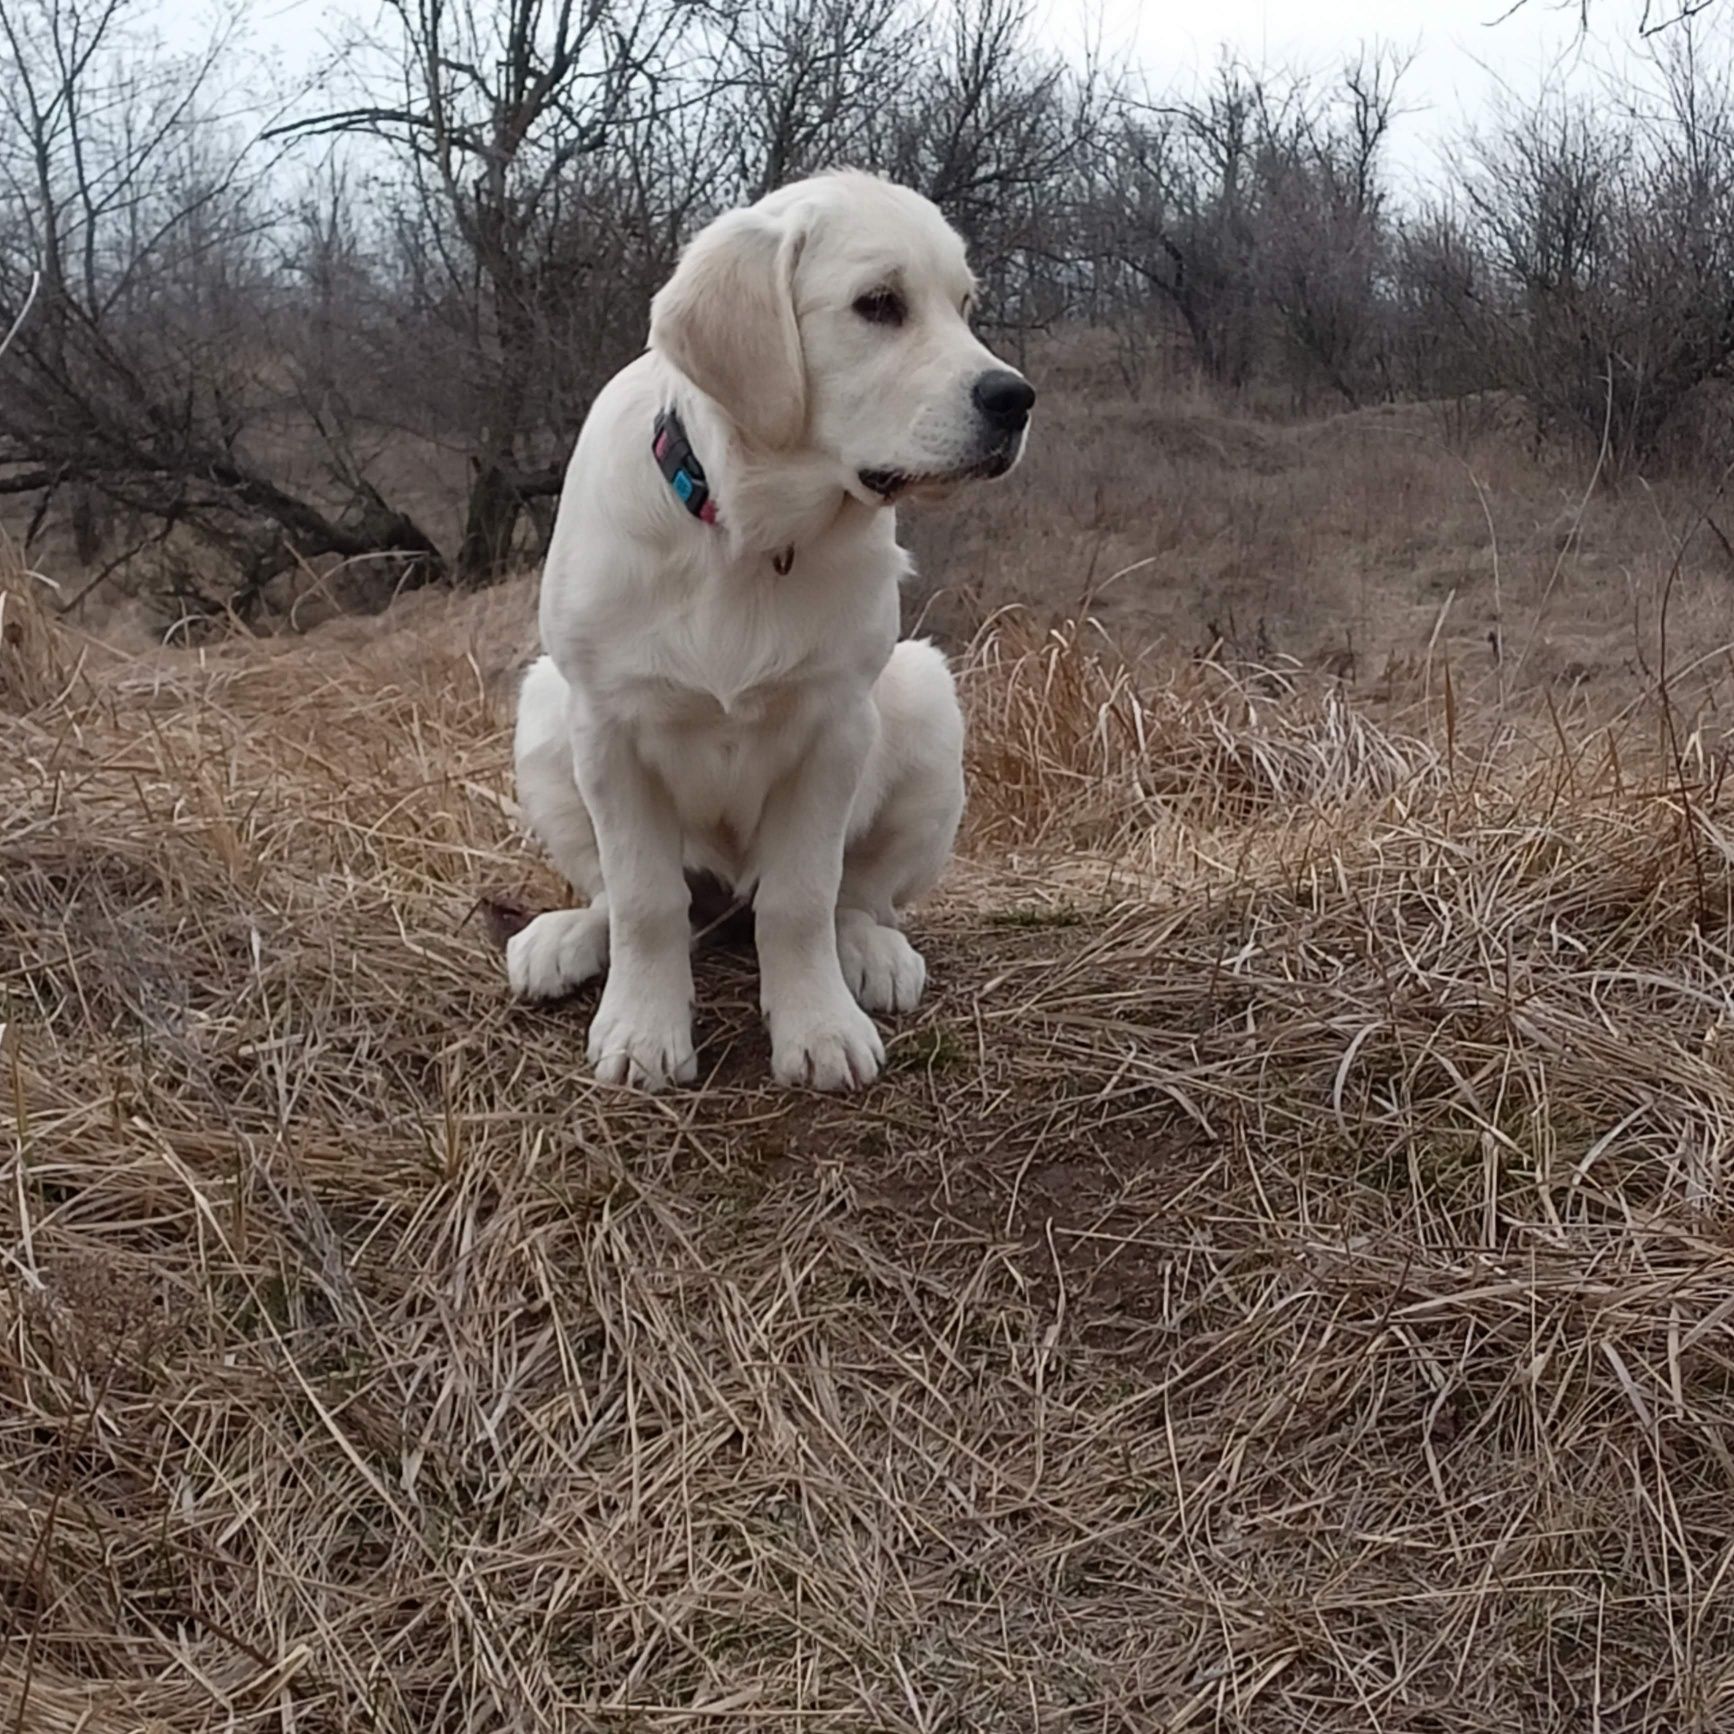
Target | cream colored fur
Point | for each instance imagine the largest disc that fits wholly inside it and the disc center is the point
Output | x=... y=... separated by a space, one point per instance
x=699 y=706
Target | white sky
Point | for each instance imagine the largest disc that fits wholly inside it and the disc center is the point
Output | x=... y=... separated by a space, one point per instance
x=1463 y=49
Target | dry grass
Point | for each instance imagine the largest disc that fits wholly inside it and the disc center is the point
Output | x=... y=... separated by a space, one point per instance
x=1369 y=542
x=1284 y=1282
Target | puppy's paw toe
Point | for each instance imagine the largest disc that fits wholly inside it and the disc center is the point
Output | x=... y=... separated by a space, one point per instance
x=835 y=1050
x=648 y=1065
x=646 y=1046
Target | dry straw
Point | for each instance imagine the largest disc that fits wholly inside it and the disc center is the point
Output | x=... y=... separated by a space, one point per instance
x=1284 y=1282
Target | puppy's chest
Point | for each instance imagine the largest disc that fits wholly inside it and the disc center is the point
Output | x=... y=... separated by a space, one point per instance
x=734 y=665
x=719 y=765
x=728 y=702
x=723 y=707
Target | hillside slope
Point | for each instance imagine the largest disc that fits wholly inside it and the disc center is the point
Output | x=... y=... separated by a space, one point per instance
x=1283 y=1282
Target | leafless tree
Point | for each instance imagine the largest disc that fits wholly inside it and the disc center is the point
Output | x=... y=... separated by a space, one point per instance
x=496 y=112
x=995 y=131
x=137 y=379
x=804 y=80
x=1256 y=215
x=1440 y=280
x=1180 y=227
x=1654 y=16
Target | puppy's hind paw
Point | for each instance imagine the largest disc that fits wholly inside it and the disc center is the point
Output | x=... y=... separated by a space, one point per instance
x=884 y=971
x=557 y=953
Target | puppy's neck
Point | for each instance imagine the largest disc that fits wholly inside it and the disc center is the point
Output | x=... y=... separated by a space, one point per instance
x=767 y=502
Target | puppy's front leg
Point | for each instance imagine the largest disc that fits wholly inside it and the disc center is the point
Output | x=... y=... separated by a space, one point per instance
x=642 y=1032
x=819 y=1035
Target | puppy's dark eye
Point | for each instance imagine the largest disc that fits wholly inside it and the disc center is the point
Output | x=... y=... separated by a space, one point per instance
x=882 y=307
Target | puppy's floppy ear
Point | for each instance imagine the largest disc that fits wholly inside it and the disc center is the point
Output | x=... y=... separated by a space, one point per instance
x=726 y=319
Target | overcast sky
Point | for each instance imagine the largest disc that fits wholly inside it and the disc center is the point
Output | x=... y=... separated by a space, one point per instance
x=1464 y=50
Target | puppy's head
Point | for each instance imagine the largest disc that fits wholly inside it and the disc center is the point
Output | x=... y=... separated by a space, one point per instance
x=833 y=318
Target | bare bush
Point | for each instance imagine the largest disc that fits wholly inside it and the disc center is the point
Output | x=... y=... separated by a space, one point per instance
x=1324 y=235
x=1610 y=254
x=1181 y=228
x=1255 y=215
x=1434 y=343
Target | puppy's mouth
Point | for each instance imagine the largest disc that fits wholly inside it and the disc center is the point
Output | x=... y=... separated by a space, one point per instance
x=892 y=485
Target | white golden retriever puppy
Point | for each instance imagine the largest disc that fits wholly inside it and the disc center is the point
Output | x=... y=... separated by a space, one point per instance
x=723 y=691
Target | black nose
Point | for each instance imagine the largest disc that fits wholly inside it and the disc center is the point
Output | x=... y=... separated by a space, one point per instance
x=1004 y=398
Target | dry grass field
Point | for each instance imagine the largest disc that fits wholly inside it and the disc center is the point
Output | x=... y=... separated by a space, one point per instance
x=1369 y=542
x=1285 y=1281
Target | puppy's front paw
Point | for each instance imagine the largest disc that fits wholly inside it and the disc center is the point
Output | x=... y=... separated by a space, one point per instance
x=558 y=952
x=642 y=1039
x=884 y=971
x=835 y=1048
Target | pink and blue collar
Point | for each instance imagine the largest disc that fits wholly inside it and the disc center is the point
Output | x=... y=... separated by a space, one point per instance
x=685 y=474
x=680 y=466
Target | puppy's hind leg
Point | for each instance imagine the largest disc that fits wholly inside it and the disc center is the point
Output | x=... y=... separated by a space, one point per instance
x=564 y=948
x=905 y=823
